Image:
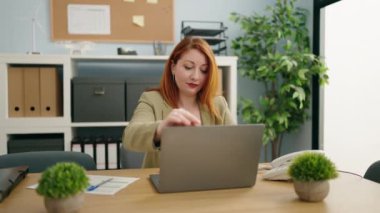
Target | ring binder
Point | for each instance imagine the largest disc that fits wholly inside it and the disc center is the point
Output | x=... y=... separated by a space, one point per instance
x=104 y=150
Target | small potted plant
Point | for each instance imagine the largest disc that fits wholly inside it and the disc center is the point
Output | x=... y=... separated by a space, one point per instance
x=310 y=173
x=63 y=187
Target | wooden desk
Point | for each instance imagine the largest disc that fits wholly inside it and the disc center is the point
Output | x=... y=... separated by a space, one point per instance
x=348 y=193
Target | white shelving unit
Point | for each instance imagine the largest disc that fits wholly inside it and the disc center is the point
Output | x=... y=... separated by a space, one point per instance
x=34 y=125
x=63 y=124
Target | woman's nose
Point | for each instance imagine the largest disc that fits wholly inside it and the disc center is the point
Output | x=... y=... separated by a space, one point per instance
x=195 y=74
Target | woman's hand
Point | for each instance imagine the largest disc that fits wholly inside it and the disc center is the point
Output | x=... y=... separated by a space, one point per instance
x=177 y=117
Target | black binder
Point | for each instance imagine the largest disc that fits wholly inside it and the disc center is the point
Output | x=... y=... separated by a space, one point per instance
x=99 y=140
x=9 y=178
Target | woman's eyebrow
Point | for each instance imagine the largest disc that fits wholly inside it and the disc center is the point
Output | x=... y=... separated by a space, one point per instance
x=189 y=61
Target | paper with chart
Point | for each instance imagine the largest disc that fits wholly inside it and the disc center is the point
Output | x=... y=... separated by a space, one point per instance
x=112 y=184
x=110 y=187
x=89 y=19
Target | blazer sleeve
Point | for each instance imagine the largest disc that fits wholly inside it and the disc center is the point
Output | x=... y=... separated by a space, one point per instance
x=225 y=113
x=139 y=134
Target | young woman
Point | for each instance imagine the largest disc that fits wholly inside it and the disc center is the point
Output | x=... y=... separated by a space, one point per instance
x=186 y=97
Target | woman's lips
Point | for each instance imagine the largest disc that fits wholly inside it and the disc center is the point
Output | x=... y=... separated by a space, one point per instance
x=192 y=85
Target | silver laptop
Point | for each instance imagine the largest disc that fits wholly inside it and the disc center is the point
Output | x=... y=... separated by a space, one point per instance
x=208 y=157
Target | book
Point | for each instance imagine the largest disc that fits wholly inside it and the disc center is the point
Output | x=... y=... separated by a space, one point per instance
x=9 y=178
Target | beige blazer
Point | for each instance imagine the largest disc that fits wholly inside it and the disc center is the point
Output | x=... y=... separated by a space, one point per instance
x=152 y=109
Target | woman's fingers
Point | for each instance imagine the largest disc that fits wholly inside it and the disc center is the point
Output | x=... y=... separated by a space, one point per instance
x=177 y=117
x=183 y=117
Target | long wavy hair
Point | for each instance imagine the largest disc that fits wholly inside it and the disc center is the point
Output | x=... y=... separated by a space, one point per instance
x=168 y=87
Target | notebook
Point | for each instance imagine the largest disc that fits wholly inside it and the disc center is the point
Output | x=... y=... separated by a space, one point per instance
x=208 y=157
x=10 y=178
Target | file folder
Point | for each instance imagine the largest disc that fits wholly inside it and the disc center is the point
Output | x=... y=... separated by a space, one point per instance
x=112 y=153
x=83 y=145
x=32 y=91
x=15 y=92
x=101 y=156
x=104 y=150
x=76 y=145
x=50 y=92
x=9 y=178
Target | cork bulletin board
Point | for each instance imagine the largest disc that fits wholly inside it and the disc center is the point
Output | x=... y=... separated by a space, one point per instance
x=141 y=21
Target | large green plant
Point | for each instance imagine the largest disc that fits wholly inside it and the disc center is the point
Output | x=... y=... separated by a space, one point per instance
x=275 y=50
x=63 y=180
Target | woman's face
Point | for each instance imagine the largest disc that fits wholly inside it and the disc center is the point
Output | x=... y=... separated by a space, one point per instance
x=190 y=72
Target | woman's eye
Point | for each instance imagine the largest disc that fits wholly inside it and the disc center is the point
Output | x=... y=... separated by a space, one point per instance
x=188 y=67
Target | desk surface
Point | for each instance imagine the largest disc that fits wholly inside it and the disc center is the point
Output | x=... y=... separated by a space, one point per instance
x=348 y=193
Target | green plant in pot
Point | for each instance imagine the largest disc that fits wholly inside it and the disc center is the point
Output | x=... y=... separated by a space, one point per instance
x=310 y=173
x=274 y=51
x=63 y=186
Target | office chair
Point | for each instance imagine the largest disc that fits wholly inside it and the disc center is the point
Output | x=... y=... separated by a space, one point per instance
x=373 y=172
x=130 y=159
x=38 y=161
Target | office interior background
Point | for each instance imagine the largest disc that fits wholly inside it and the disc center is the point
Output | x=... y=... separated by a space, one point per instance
x=348 y=120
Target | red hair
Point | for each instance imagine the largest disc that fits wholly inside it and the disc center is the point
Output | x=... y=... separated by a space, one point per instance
x=168 y=87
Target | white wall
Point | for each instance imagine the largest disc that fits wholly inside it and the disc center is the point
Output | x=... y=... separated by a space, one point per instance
x=352 y=98
x=16 y=24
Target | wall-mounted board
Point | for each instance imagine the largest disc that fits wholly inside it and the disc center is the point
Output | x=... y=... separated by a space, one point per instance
x=112 y=20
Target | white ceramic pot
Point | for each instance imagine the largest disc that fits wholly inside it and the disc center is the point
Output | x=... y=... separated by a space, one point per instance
x=314 y=191
x=64 y=205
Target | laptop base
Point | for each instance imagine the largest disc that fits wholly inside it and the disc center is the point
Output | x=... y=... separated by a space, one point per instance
x=155 y=179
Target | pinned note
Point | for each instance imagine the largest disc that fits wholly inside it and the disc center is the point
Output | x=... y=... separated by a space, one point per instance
x=152 y=1
x=139 y=21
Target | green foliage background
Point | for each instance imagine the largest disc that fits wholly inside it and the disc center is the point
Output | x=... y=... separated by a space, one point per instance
x=275 y=50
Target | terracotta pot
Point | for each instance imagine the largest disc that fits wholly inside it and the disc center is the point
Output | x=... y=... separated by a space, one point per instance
x=314 y=191
x=64 y=205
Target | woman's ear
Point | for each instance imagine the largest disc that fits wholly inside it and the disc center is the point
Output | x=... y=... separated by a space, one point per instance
x=172 y=65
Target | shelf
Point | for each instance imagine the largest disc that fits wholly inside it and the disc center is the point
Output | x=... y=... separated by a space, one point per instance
x=217 y=51
x=213 y=32
x=37 y=122
x=91 y=66
x=189 y=31
x=214 y=41
x=99 y=124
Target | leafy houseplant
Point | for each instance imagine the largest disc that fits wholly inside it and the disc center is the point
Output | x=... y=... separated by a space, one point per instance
x=310 y=173
x=275 y=51
x=62 y=185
